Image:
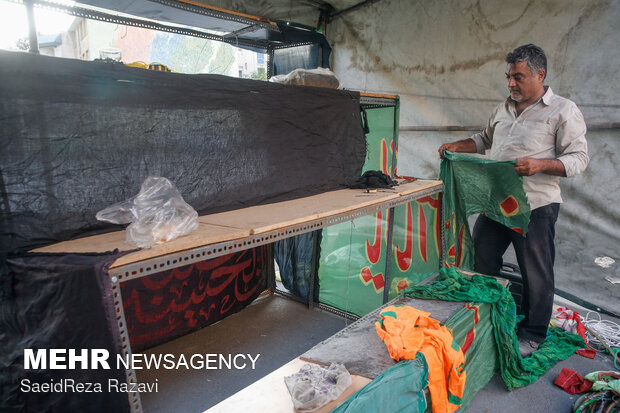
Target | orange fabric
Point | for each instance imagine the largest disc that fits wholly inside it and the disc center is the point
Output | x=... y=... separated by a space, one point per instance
x=405 y=331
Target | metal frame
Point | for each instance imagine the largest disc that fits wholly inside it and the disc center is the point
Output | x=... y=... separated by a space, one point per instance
x=149 y=24
x=442 y=240
x=220 y=14
x=135 y=402
x=370 y=102
x=388 y=257
x=374 y=102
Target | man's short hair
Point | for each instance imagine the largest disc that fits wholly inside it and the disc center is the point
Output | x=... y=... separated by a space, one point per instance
x=532 y=54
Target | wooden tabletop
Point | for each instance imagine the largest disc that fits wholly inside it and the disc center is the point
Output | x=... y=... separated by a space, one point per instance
x=241 y=223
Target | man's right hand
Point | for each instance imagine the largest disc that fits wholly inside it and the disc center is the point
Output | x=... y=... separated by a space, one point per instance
x=447 y=147
x=466 y=145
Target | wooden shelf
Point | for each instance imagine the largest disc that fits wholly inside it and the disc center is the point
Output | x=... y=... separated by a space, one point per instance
x=232 y=231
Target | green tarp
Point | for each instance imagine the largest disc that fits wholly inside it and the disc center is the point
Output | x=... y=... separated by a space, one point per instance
x=400 y=389
x=475 y=185
x=452 y=285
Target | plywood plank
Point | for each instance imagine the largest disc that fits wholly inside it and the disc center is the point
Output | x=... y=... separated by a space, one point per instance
x=96 y=243
x=378 y=95
x=204 y=235
x=418 y=186
x=242 y=223
x=265 y=218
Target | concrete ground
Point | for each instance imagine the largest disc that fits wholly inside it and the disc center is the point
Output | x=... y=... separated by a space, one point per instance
x=542 y=395
x=280 y=330
x=276 y=328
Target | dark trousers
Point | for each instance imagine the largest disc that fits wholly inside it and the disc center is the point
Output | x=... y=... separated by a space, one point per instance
x=535 y=256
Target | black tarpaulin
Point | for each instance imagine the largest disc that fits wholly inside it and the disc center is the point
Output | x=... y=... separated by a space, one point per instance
x=59 y=302
x=79 y=136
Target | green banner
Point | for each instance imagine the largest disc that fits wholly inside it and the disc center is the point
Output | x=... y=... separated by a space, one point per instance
x=475 y=185
x=352 y=264
x=415 y=243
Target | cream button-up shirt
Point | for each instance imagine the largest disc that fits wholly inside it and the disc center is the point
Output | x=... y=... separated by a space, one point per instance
x=553 y=127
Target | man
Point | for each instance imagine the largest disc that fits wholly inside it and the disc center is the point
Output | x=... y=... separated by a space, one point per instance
x=545 y=134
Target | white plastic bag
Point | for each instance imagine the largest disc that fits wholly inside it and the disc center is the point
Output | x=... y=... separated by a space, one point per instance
x=320 y=77
x=313 y=386
x=157 y=214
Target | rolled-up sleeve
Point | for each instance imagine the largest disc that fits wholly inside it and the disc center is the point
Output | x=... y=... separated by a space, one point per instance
x=570 y=144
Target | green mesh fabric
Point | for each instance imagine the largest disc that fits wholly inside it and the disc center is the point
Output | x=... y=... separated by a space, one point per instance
x=452 y=285
x=475 y=185
x=400 y=389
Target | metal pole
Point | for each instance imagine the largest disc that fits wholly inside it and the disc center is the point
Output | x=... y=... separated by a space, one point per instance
x=474 y=128
x=442 y=250
x=135 y=402
x=388 y=258
x=395 y=136
x=271 y=275
x=313 y=267
x=270 y=63
x=32 y=28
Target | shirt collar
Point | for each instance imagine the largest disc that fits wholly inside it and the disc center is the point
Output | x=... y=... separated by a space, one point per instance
x=546 y=98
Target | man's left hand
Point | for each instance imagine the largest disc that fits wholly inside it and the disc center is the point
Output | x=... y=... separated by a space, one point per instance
x=531 y=166
x=527 y=166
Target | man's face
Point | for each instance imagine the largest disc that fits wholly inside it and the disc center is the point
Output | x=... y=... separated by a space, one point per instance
x=524 y=86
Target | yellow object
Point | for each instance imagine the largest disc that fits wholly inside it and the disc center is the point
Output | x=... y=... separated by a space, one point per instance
x=151 y=66
x=405 y=331
x=141 y=65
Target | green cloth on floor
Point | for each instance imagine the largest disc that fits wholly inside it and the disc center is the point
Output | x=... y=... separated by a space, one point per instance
x=474 y=185
x=400 y=389
x=452 y=285
x=604 y=380
x=472 y=329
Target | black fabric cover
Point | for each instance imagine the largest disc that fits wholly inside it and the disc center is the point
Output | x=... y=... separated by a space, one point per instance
x=373 y=179
x=79 y=136
x=59 y=301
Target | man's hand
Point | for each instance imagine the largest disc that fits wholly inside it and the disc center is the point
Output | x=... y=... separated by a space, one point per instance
x=447 y=147
x=527 y=166
x=466 y=145
x=531 y=166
